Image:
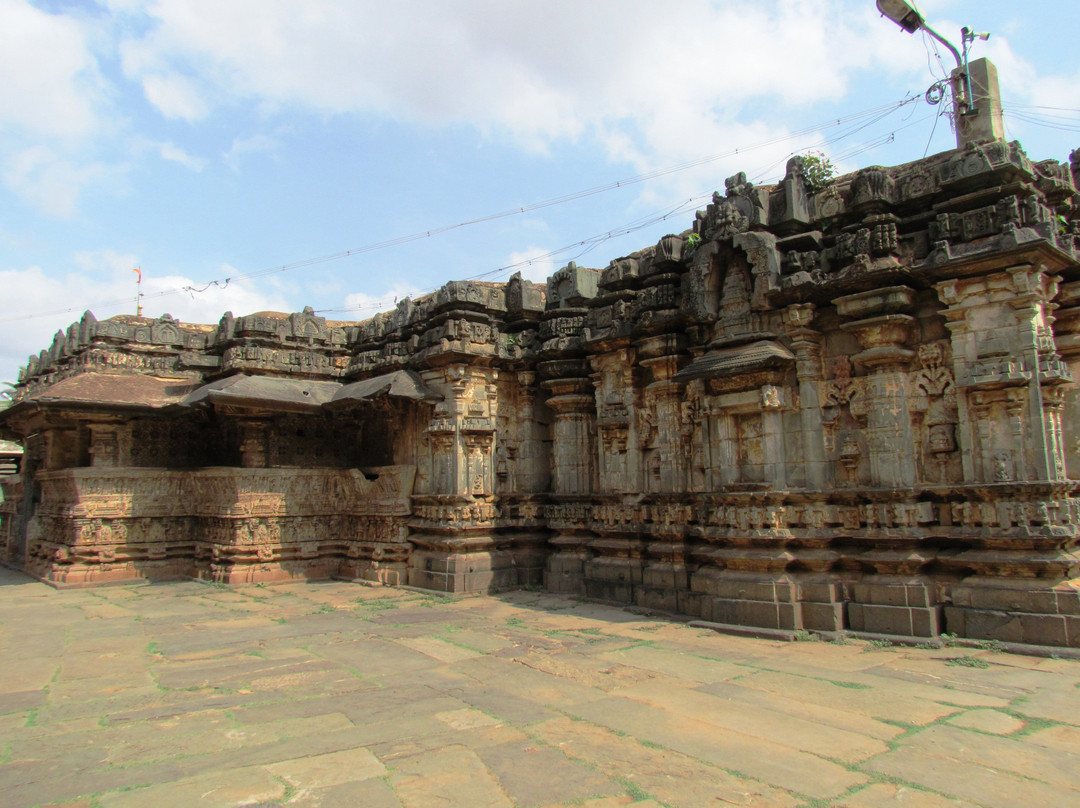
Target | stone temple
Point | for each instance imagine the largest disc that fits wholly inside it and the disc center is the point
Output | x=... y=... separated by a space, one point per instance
x=847 y=407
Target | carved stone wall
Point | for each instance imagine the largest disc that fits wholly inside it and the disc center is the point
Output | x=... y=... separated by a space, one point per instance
x=852 y=409
x=225 y=524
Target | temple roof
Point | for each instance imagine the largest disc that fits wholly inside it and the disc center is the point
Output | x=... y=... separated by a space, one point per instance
x=299 y=395
x=400 y=384
x=113 y=390
x=264 y=392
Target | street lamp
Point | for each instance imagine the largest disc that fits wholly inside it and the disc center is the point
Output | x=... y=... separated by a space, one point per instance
x=911 y=21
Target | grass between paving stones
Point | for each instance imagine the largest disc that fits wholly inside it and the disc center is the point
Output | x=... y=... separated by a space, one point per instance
x=374 y=606
x=635 y=791
x=879 y=645
x=1032 y=724
x=875 y=779
x=444 y=637
x=349 y=669
x=968 y=662
x=879 y=778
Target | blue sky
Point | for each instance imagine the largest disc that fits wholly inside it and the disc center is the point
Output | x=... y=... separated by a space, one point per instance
x=205 y=140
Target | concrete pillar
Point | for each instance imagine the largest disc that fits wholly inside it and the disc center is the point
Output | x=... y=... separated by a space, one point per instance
x=982 y=121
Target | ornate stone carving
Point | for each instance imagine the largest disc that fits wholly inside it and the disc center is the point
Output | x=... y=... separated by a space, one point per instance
x=804 y=412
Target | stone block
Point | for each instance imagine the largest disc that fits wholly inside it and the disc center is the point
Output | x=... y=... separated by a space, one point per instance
x=823 y=616
x=565 y=573
x=1031 y=629
x=1044 y=629
x=693 y=604
x=914 y=593
x=743 y=586
x=462 y=572
x=1018 y=596
x=609 y=591
x=1068 y=598
x=666 y=600
x=753 y=613
x=666 y=576
x=910 y=621
x=617 y=570
x=821 y=591
x=1072 y=631
x=782 y=591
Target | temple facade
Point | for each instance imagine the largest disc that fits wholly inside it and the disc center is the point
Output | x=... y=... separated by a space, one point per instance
x=845 y=406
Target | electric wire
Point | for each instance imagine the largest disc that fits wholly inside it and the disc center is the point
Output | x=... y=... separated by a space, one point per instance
x=874 y=114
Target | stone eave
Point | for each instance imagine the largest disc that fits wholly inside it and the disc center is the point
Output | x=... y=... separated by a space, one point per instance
x=1037 y=251
x=724 y=362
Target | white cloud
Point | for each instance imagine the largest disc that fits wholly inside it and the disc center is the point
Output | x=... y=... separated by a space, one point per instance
x=172 y=152
x=104 y=283
x=362 y=305
x=175 y=96
x=538 y=71
x=50 y=182
x=203 y=304
x=49 y=81
x=117 y=264
x=250 y=145
x=534 y=263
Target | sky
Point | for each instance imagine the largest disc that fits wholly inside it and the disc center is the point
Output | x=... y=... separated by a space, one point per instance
x=254 y=155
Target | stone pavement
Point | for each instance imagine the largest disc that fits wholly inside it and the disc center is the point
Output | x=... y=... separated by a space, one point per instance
x=335 y=694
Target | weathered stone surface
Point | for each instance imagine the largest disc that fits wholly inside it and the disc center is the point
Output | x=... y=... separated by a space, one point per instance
x=851 y=407
x=569 y=703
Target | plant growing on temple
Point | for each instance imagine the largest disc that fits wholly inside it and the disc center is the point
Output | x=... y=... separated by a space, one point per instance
x=693 y=241
x=818 y=171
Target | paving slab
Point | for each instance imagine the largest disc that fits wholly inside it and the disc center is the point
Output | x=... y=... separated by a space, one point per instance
x=452 y=775
x=335 y=694
x=838 y=702
x=967 y=780
x=535 y=774
x=247 y=786
x=770 y=762
x=728 y=713
x=994 y=722
x=332 y=769
x=672 y=778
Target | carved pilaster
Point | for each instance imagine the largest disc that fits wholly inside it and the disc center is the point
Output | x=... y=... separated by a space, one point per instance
x=104 y=445
x=806 y=344
x=883 y=336
x=619 y=456
x=253 y=443
x=667 y=464
x=575 y=426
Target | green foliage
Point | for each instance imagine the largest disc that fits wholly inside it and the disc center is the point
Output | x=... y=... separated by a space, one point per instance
x=802 y=635
x=693 y=241
x=818 y=171
x=968 y=662
x=880 y=645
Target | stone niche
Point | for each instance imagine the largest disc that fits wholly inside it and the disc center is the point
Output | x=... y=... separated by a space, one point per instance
x=850 y=408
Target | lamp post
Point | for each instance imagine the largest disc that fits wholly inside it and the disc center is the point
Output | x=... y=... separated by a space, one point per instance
x=911 y=21
x=971 y=123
